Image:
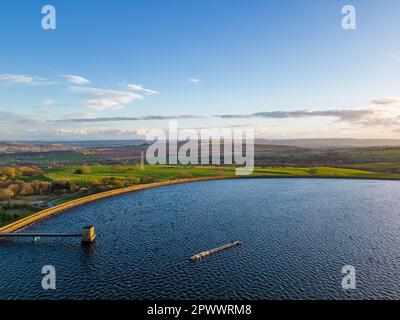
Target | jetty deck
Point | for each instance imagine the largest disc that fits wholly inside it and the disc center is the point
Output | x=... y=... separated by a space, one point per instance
x=21 y=234
x=204 y=254
x=87 y=235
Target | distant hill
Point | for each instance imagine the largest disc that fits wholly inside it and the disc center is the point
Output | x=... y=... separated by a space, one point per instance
x=43 y=146
x=302 y=143
x=329 y=143
x=17 y=147
x=87 y=143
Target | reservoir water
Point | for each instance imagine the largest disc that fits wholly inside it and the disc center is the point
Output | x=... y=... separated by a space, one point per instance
x=297 y=234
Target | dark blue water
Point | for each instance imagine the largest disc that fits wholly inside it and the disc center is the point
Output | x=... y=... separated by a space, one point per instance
x=297 y=235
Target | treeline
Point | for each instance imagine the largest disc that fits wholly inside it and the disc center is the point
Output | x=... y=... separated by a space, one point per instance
x=15 y=172
x=12 y=185
x=10 y=189
x=15 y=185
x=18 y=188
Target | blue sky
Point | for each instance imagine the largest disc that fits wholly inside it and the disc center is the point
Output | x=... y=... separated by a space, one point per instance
x=288 y=70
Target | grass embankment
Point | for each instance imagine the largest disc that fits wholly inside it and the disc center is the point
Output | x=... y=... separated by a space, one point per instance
x=12 y=213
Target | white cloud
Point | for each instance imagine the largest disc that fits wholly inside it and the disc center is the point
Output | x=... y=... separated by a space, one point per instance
x=341 y=114
x=45 y=106
x=103 y=99
x=80 y=115
x=142 y=131
x=12 y=118
x=139 y=87
x=76 y=79
x=84 y=118
x=92 y=133
x=15 y=78
x=194 y=81
x=393 y=55
x=387 y=101
x=33 y=131
x=20 y=79
x=375 y=116
x=69 y=132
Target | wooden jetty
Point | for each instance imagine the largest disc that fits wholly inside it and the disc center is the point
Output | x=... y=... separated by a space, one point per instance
x=204 y=254
x=87 y=235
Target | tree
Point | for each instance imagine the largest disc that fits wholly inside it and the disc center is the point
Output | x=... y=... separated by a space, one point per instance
x=30 y=171
x=118 y=168
x=73 y=186
x=313 y=171
x=6 y=194
x=45 y=187
x=11 y=173
x=86 y=170
x=60 y=186
x=27 y=190
x=14 y=188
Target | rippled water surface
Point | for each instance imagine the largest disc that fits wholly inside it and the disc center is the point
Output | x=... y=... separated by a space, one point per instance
x=296 y=233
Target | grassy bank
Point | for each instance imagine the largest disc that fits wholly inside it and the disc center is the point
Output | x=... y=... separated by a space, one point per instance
x=166 y=172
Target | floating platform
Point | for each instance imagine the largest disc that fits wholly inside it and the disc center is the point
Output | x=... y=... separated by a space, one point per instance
x=204 y=254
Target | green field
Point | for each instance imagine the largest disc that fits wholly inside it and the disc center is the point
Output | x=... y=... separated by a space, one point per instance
x=167 y=172
x=159 y=173
x=45 y=158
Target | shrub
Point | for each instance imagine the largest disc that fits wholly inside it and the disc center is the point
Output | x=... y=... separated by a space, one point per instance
x=144 y=180
x=185 y=175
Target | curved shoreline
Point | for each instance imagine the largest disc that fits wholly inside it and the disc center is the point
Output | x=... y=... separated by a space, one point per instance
x=43 y=214
x=36 y=217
